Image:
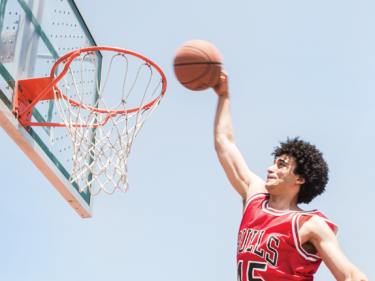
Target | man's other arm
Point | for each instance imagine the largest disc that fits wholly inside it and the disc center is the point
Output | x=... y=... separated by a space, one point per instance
x=317 y=232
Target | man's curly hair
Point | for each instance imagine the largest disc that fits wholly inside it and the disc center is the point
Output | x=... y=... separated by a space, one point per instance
x=309 y=164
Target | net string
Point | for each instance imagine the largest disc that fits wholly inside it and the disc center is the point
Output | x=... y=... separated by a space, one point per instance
x=100 y=152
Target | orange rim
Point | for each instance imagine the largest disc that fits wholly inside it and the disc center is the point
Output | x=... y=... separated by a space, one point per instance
x=67 y=59
x=119 y=50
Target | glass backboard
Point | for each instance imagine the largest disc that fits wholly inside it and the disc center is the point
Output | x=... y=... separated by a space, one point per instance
x=34 y=34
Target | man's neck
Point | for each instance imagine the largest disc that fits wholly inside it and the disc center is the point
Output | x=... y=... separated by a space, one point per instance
x=285 y=202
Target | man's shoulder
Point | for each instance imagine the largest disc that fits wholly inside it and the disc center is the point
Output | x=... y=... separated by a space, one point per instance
x=317 y=225
x=314 y=223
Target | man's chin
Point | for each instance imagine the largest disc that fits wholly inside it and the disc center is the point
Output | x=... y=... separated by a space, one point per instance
x=269 y=187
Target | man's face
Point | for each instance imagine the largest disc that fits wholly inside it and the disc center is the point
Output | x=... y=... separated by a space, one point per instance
x=281 y=178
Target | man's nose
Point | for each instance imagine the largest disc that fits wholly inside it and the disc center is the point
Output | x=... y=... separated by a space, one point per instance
x=271 y=169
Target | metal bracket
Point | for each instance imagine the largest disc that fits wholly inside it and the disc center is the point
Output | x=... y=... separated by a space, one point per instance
x=26 y=91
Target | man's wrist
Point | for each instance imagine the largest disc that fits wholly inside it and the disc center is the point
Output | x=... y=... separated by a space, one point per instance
x=223 y=93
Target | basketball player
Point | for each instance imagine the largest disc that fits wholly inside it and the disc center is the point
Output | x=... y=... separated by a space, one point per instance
x=277 y=240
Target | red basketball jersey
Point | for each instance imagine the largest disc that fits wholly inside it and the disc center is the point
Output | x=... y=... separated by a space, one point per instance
x=269 y=245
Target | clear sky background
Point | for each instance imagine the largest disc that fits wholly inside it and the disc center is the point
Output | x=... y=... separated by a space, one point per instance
x=297 y=68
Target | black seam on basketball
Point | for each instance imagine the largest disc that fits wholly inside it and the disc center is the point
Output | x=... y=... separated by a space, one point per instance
x=213 y=75
x=193 y=63
x=204 y=73
x=209 y=63
x=199 y=51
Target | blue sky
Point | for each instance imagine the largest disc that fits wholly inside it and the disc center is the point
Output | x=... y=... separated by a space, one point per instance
x=297 y=68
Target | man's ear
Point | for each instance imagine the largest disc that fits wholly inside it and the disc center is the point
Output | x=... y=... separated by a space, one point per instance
x=300 y=180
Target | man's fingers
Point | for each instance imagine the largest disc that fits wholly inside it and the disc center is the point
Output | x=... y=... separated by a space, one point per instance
x=222 y=87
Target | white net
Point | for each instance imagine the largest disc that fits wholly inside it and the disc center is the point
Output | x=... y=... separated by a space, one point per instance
x=102 y=139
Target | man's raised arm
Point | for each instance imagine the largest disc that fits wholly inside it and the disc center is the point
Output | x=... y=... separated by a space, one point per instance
x=242 y=179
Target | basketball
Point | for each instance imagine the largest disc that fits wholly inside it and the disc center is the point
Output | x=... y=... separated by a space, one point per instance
x=197 y=65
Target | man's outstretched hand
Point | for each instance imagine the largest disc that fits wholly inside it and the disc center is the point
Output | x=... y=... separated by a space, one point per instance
x=221 y=88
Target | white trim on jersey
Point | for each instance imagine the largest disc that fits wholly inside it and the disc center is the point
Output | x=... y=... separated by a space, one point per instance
x=271 y=211
x=252 y=197
x=297 y=238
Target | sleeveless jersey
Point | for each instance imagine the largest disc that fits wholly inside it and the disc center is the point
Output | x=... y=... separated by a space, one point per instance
x=269 y=245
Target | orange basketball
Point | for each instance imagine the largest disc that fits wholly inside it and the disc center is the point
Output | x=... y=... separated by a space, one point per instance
x=197 y=65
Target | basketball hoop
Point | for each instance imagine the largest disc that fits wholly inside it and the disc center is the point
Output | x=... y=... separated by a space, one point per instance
x=102 y=135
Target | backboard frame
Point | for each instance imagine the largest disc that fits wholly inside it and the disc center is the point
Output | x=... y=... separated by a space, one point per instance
x=29 y=141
